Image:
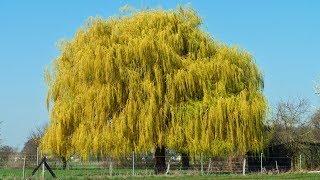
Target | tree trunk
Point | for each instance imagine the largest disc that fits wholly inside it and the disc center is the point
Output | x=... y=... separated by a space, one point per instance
x=160 y=160
x=185 y=161
x=64 y=163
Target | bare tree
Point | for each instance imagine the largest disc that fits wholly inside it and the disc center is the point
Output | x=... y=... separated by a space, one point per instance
x=291 y=126
x=315 y=123
x=33 y=141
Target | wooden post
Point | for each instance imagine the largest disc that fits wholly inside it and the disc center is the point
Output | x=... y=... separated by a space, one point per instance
x=42 y=169
x=209 y=166
x=23 y=169
x=300 y=162
x=110 y=167
x=133 y=163
x=168 y=168
x=37 y=155
x=201 y=162
x=244 y=167
x=261 y=168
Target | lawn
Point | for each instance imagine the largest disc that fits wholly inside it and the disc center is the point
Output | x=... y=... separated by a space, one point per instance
x=125 y=173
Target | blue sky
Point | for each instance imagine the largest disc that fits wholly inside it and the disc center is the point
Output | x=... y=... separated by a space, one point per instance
x=282 y=35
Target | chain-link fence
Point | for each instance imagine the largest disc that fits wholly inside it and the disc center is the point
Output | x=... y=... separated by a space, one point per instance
x=144 y=165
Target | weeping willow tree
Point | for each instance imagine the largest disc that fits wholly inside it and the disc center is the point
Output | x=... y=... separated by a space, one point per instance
x=149 y=81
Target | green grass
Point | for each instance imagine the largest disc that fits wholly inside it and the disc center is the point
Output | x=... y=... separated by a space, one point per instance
x=126 y=174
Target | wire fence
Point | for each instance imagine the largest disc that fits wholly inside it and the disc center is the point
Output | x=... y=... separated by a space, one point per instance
x=144 y=165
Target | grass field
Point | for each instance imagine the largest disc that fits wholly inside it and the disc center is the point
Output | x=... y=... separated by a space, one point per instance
x=125 y=174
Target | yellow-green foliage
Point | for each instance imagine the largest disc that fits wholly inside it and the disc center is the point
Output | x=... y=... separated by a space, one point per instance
x=153 y=78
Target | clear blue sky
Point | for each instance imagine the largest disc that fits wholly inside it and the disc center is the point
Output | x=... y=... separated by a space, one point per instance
x=282 y=35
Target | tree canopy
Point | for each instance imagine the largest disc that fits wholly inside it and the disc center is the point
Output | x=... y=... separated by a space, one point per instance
x=150 y=79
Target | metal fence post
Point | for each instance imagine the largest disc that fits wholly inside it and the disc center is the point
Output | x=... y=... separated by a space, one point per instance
x=244 y=167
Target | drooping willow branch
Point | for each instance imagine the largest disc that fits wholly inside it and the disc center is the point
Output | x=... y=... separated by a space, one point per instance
x=154 y=78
